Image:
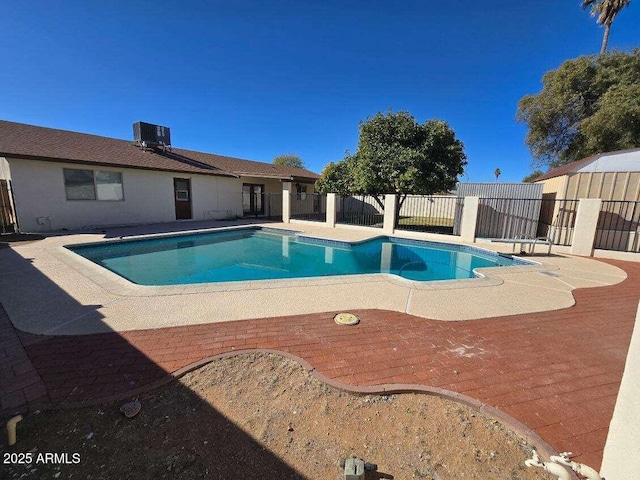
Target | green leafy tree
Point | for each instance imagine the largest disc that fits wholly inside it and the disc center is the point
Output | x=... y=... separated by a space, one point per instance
x=606 y=12
x=588 y=105
x=336 y=178
x=612 y=127
x=532 y=176
x=289 y=160
x=398 y=155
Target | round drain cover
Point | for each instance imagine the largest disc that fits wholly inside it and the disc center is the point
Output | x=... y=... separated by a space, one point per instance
x=346 y=319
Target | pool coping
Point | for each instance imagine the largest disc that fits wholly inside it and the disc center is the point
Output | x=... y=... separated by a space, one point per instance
x=74 y=296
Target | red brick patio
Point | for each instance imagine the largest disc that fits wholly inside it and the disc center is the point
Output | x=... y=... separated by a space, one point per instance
x=557 y=372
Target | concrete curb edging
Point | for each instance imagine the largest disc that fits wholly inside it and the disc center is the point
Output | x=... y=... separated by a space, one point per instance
x=514 y=425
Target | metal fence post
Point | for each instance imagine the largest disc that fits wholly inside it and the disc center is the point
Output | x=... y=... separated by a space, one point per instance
x=268 y=195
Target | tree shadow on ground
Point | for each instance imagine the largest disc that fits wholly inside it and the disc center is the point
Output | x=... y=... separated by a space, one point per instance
x=85 y=369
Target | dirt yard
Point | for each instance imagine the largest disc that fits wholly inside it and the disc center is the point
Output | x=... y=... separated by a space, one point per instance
x=261 y=416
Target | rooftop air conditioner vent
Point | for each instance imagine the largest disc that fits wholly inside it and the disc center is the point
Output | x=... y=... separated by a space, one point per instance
x=153 y=136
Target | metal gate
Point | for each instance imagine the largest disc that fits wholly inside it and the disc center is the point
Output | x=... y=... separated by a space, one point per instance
x=8 y=221
x=262 y=205
x=508 y=217
x=619 y=226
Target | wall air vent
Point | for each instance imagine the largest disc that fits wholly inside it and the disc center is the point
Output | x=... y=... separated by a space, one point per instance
x=148 y=135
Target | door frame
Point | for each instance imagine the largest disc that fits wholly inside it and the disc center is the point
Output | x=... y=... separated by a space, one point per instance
x=252 y=199
x=179 y=202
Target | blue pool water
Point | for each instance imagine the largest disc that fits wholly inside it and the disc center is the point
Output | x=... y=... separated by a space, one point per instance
x=259 y=254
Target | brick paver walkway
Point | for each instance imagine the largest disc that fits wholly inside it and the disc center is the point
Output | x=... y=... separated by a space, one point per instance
x=557 y=372
x=19 y=382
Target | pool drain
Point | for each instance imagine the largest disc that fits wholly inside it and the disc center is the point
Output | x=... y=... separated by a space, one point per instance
x=346 y=319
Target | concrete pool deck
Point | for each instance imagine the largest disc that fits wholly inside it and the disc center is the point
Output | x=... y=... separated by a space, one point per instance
x=46 y=289
x=556 y=372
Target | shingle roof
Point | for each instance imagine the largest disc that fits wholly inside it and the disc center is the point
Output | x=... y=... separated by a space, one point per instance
x=247 y=167
x=29 y=141
x=579 y=164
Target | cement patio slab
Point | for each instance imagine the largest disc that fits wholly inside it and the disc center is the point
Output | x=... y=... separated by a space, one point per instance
x=46 y=288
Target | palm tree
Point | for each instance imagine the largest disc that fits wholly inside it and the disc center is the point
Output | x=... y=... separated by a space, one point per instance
x=606 y=11
x=497 y=173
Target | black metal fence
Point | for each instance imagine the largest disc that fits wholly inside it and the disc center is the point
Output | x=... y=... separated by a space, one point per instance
x=262 y=205
x=8 y=222
x=429 y=213
x=508 y=217
x=557 y=220
x=309 y=206
x=618 y=226
x=527 y=218
x=365 y=210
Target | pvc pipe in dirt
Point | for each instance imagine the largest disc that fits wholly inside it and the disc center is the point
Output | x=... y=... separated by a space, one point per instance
x=11 y=429
x=580 y=468
x=553 y=468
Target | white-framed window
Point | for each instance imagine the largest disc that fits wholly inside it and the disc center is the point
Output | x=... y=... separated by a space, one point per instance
x=182 y=195
x=81 y=184
x=181 y=187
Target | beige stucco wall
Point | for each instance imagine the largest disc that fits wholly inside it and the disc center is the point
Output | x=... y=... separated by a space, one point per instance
x=215 y=197
x=310 y=187
x=469 y=219
x=273 y=203
x=585 y=227
x=621 y=460
x=555 y=185
x=272 y=185
x=148 y=197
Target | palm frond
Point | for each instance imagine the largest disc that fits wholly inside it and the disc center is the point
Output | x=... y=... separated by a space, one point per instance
x=605 y=10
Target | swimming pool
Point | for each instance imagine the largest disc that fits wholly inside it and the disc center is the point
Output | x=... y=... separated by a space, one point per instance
x=261 y=254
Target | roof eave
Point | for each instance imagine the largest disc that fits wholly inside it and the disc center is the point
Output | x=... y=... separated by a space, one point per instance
x=283 y=178
x=301 y=178
x=114 y=165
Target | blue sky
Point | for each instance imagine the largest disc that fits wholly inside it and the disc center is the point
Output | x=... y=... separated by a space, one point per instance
x=254 y=79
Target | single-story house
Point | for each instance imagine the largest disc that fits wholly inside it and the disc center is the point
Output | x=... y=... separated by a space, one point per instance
x=609 y=176
x=58 y=179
